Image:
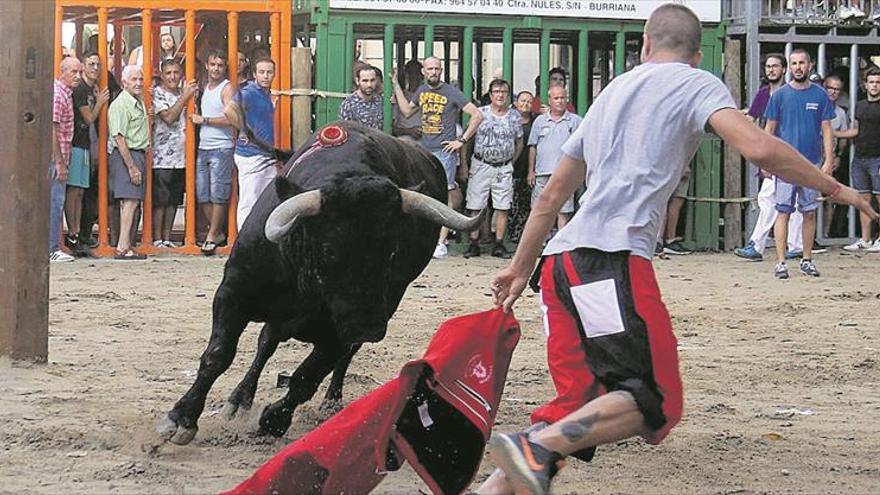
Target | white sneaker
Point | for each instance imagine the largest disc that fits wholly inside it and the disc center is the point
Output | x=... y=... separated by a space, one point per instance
x=169 y=244
x=875 y=248
x=60 y=257
x=159 y=243
x=859 y=245
x=845 y=13
x=440 y=251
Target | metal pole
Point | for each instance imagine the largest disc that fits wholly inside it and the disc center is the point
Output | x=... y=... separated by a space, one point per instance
x=232 y=57
x=103 y=133
x=821 y=61
x=789 y=47
x=753 y=73
x=190 y=236
x=147 y=54
x=619 y=53
x=583 y=70
x=507 y=56
x=853 y=97
x=544 y=64
x=429 y=40
x=387 y=55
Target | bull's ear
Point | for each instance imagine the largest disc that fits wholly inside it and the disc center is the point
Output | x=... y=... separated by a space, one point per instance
x=283 y=188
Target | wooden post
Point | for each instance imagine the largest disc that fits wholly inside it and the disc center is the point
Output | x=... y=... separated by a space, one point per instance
x=733 y=166
x=26 y=70
x=302 y=105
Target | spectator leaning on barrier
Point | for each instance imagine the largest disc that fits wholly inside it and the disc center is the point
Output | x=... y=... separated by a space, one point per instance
x=364 y=105
x=256 y=163
x=866 y=165
x=169 y=148
x=214 y=162
x=129 y=138
x=441 y=105
x=81 y=205
x=497 y=144
x=549 y=132
x=62 y=137
x=833 y=86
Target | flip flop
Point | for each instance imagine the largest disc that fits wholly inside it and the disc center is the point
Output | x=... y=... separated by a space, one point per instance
x=208 y=248
x=129 y=254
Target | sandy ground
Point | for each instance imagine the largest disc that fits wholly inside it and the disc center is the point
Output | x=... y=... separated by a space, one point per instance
x=781 y=381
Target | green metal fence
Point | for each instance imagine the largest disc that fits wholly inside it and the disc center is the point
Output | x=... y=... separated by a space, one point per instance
x=336 y=32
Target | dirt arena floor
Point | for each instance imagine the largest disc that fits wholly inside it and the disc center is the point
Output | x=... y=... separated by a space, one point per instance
x=782 y=381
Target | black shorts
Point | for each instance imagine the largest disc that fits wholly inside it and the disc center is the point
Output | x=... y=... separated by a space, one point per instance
x=168 y=186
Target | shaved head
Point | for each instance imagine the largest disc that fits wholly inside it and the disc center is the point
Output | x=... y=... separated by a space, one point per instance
x=674 y=28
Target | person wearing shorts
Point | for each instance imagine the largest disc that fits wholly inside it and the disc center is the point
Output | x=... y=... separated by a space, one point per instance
x=169 y=149
x=800 y=114
x=129 y=139
x=549 y=132
x=669 y=242
x=215 y=157
x=866 y=164
x=498 y=143
x=610 y=347
x=441 y=105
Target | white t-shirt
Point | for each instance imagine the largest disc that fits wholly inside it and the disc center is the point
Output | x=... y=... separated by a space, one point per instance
x=637 y=139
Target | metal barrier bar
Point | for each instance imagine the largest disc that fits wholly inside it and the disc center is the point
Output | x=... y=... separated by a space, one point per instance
x=286 y=76
x=103 y=134
x=467 y=62
x=544 y=64
x=190 y=235
x=619 y=53
x=387 y=61
x=232 y=73
x=583 y=70
x=147 y=54
x=507 y=58
x=429 y=40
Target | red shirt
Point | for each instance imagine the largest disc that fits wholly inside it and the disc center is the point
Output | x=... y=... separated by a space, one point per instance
x=62 y=114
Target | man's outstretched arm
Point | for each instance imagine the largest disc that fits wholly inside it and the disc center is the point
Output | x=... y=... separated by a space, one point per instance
x=775 y=156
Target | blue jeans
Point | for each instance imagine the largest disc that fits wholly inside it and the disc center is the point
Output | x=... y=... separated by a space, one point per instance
x=56 y=209
x=214 y=176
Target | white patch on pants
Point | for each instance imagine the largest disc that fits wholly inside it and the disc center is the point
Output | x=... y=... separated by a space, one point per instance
x=598 y=308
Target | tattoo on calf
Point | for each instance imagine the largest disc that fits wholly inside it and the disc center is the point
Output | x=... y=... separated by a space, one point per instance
x=574 y=431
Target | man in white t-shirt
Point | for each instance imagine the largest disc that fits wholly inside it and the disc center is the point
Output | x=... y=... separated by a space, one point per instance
x=611 y=350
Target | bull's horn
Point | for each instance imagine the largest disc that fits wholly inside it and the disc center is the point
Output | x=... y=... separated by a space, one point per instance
x=281 y=220
x=426 y=207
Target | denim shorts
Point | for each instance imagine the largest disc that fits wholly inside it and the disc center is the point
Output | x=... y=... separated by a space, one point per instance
x=789 y=195
x=214 y=175
x=450 y=165
x=866 y=174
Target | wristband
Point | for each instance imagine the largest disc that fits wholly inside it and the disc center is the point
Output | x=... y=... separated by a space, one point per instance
x=834 y=192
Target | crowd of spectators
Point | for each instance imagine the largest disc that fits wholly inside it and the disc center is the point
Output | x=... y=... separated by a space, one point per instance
x=221 y=143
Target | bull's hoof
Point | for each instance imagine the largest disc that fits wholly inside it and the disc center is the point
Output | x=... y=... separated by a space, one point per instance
x=232 y=408
x=275 y=420
x=175 y=433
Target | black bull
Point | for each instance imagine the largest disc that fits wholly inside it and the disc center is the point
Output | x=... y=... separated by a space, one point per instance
x=324 y=257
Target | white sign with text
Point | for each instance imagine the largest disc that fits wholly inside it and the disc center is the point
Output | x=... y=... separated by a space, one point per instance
x=706 y=10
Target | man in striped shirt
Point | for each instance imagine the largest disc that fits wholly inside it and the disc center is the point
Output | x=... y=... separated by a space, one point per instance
x=62 y=135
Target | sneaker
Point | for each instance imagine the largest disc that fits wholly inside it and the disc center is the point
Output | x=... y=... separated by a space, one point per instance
x=529 y=466
x=472 y=250
x=859 y=245
x=874 y=248
x=658 y=248
x=845 y=13
x=749 y=252
x=809 y=268
x=781 y=271
x=675 y=247
x=499 y=251
x=159 y=243
x=71 y=241
x=440 y=251
x=793 y=255
x=60 y=257
x=169 y=244
x=819 y=248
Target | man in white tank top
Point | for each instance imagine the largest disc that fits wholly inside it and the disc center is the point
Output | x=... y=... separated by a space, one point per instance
x=611 y=350
x=214 y=162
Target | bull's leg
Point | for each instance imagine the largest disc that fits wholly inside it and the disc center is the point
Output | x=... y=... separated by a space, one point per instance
x=333 y=397
x=276 y=418
x=181 y=424
x=243 y=395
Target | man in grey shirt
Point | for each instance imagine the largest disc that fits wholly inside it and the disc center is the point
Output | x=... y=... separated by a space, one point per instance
x=611 y=351
x=441 y=106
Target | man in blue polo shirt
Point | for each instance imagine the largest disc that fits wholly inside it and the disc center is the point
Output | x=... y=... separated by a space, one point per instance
x=257 y=166
x=800 y=114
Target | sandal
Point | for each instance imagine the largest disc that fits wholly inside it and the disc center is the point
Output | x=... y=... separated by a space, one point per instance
x=208 y=248
x=129 y=254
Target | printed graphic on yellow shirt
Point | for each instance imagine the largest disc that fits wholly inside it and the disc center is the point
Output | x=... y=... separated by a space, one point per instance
x=432 y=105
